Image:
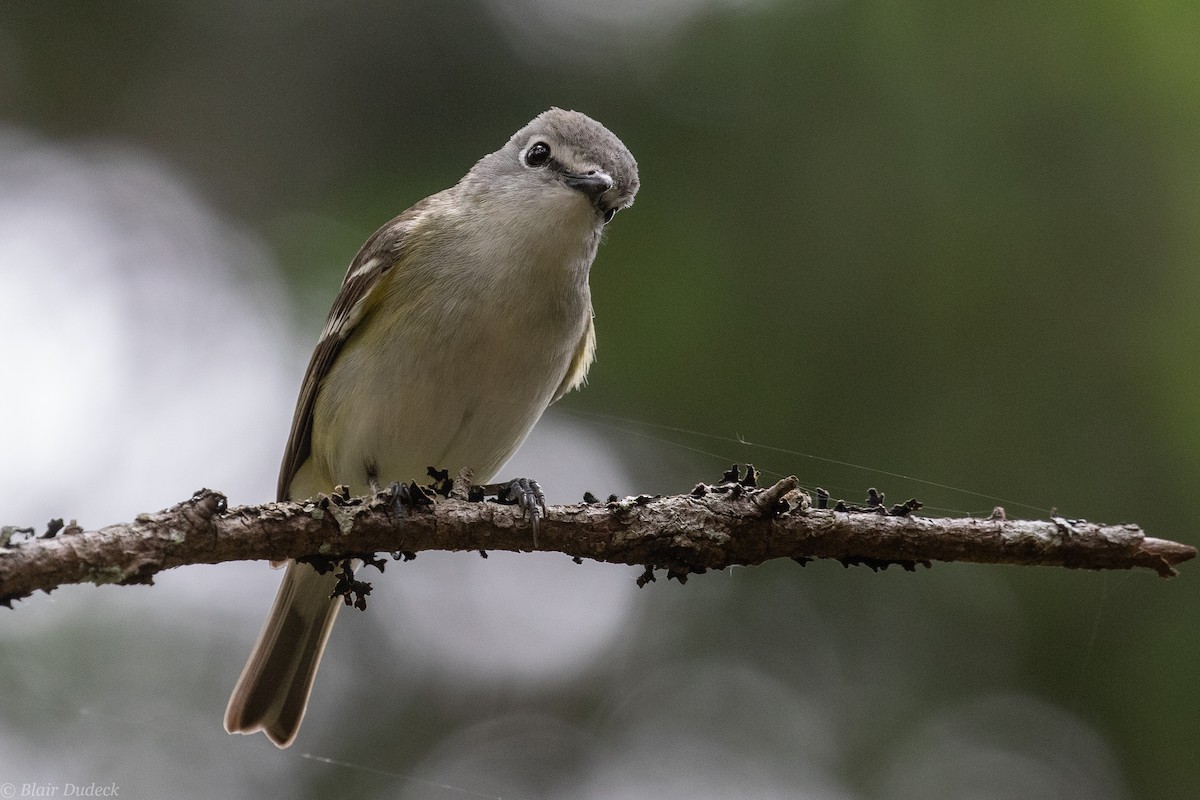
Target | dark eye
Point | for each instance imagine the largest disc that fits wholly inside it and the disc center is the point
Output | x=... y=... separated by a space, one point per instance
x=537 y=154
x=609 y=214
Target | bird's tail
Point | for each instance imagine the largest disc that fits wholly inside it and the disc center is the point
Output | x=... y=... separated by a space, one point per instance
x=272 y=692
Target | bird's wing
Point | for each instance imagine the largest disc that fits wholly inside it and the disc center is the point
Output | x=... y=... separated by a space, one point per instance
x=358 y=295
x=577 y=371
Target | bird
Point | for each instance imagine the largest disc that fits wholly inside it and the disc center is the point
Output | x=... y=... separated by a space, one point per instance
x=457 y=324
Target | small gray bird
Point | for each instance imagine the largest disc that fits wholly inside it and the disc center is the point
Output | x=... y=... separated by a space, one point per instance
x=457 y=324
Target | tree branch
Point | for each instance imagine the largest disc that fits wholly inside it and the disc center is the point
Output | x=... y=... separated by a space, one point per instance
x=711 y=528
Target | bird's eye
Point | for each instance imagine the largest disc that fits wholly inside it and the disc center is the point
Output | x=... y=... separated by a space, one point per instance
x=609 y=214
x=537 y=154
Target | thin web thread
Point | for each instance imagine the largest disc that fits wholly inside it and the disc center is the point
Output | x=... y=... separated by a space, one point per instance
x=161 y=727
x=397 y=775
x=611 y=421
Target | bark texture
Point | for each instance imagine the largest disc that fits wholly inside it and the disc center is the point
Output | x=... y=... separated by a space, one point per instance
x=710 y=528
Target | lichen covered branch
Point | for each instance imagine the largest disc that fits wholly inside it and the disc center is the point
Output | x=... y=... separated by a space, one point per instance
x=710 y=528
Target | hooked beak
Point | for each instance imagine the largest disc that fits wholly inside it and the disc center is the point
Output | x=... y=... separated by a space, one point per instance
x=593 y=184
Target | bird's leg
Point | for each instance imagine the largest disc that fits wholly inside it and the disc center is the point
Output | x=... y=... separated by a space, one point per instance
x=400 y=495
x=523 y=492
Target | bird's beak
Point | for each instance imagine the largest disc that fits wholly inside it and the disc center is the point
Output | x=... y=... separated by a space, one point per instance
x=593 y=184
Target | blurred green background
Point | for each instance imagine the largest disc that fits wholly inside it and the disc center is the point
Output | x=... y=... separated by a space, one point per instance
x=953 y=241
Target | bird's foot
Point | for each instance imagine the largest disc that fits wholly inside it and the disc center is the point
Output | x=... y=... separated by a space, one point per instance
x=404 y=497
x=523 y=492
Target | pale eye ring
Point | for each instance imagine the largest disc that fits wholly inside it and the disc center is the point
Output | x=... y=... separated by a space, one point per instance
x=537 y=154
x=609 y=214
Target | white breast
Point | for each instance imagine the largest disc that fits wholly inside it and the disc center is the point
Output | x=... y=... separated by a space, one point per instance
x=466 y=349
